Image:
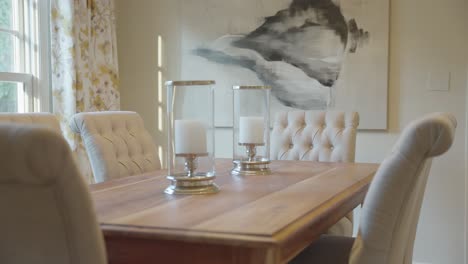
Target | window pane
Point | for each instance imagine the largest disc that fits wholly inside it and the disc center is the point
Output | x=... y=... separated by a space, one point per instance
x=9 y=96
x=7 y=52
x=6 y=14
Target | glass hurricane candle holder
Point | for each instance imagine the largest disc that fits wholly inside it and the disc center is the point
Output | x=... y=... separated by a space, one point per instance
x=251 y=133
x=191 y=161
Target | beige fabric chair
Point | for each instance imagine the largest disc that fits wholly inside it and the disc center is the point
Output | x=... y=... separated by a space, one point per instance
x=47 y=214
x=317 y=136
x=117 y=143
x=391 y=209
x=314 y=135
x=45 y=119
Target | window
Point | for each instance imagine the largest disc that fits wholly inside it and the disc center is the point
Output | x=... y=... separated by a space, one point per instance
x=24 y=59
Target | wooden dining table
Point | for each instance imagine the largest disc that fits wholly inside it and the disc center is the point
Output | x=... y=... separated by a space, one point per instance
x=254 y=219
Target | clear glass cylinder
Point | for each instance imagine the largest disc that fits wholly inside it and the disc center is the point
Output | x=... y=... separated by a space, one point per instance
x=251 y=130
x=191 y=161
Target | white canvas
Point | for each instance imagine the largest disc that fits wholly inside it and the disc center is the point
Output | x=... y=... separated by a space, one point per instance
x=359 y=80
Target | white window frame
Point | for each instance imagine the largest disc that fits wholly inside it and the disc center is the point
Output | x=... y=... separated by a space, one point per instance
x=33 y=71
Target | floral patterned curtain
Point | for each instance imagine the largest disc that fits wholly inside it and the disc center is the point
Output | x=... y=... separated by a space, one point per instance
x=84 y=64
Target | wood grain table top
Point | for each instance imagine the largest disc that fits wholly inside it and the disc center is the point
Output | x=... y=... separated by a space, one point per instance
x=261 y=211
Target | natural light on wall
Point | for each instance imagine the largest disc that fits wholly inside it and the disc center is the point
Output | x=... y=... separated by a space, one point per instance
x=160 y=86
x=159 y=51
x=161 y=132
x=160 y=119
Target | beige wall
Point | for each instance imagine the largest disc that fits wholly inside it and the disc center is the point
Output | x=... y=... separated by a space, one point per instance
x=139 y=25
x=426 y=36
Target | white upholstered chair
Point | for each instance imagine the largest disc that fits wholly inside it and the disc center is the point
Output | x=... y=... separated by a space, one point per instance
x=314 y=136
x=317 y=136
x=44 y=119
x=117 y=143
x=392 y=206
x=47 y=214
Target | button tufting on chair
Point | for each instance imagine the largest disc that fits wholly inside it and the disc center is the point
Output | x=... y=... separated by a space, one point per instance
x=117 y=143
x=316 y=136
x=326 y=130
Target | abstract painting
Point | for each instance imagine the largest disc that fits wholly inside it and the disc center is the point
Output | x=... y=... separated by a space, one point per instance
x=315 y=54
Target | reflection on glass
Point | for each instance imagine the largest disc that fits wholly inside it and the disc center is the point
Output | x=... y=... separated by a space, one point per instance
x=5 y=14
x=9 y=96
x=7 y=58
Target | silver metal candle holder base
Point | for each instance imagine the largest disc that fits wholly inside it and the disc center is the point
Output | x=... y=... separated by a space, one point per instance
x=252 y=165
x=192 y=185
x=190 y=182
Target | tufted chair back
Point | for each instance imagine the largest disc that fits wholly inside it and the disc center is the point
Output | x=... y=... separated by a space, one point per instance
x=391 y=209
x=117 y=143
x=44 y=119
x=47 y=213
x=315 y=136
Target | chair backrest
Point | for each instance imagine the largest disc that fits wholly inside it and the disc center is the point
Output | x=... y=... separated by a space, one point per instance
x=47 y=214
x=391 y=209
x=315 y=136
x=44 y=119
x=117 y=143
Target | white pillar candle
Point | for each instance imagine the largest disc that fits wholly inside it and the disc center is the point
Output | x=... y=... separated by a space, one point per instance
x=189 y=137
x=251 y=129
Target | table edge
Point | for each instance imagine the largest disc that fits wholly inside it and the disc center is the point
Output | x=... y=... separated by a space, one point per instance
x=113 y=231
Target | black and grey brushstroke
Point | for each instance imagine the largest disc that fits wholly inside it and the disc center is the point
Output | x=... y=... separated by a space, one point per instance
x=299 y=51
